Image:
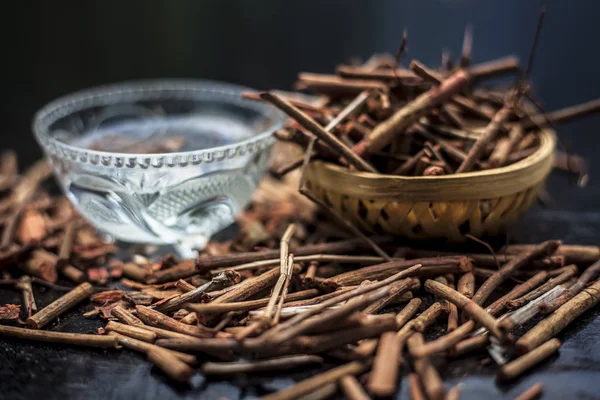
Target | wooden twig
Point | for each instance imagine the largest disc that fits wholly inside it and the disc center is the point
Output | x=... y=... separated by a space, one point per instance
x=532 y=393
x=311 y=125
x=24 y=285
x=352 y=388
x=223 y=279
x=563 y=115
x=75 y=339
x=415 y=388
x=407 y=312
x=172 y=366
x=383 y=377
x=157 y=319
x=434 y=387
x=205 y=264
x=469 y=306
x=487 y=136
x=465 y=56
x=409 y=114
x=291 y=324
x=520 y=301
x=58 y=307
x=527 y=361
x=144 y=347
x=539 y=251
x=559 y=319
x=131 y=331
x=573 y=254
x=496 y=307
x=310 y=384
x=248 y=367
x=588 y=275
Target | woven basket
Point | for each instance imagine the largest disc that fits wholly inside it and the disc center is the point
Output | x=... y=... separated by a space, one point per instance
x=478 y=203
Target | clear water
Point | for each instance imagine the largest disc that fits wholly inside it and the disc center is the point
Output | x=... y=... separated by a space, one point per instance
x=183 y=206
x=163 y=135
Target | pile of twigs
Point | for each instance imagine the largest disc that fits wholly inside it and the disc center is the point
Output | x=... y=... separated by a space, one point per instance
x=283 y=295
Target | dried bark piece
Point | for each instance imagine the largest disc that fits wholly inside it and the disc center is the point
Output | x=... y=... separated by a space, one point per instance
x=61 y=305
x=9 y=313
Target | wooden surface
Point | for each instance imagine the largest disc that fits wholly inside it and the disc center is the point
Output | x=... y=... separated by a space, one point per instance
x=30 y=370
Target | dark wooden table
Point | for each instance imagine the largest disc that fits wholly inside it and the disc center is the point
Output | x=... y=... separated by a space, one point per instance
x=30 y=370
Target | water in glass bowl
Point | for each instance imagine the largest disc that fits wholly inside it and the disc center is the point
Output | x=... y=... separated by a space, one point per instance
x=153 y=174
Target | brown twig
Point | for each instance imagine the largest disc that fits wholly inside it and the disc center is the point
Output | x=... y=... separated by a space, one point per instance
x=409 y=114
x=532 y=393
x=311 y=125
x=75 y=339
x=172 y=366
x=300 y=324
x=155 y=318
x=534 y=294
x=248 y=367
x=248 y=288
x=379 y=271
x=352 y=388
x=396 y=290
x=407 y=312
x=223 y=279
x=453 y=393
x=563 y=115
x=205 y=264
x=338 y=335
x=218 y=308
x=400 y=52
x=503 y=148
x=469 y=306
x=41 y=264
x=527 y=361
x=574 y=254
x=32 y=228
x=445 y=342
x=415 y=388
x=317 y=381
x=182 y=270
x=144 y=347
x=383 y=377
x=466 y=284
x=135 y=272
x=290 y=327
x=539 y=251
x=586 y=277
x=434 y=387
x=467 y=47
x=470 y=345
x=496 y=307
x=60 y=306
x=487 y=136
x=8 y=169
x=335 y=85
x=24 y=285
x=131 y=331
x=126 y=317
x=559 y=319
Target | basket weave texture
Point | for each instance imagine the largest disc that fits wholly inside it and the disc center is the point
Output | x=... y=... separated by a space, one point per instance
x=479 y=203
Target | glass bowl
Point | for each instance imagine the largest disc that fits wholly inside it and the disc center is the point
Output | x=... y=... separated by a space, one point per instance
x=159 y=162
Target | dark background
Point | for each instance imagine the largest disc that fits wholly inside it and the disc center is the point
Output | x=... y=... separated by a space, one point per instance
x=51 y=48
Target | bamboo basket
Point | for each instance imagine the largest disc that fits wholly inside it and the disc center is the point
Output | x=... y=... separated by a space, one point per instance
x=479 y=203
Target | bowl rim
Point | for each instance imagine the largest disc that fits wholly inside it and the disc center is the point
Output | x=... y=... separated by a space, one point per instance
x=492 y=183
x=114 y=93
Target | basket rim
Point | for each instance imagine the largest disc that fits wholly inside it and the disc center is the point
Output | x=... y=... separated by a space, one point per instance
x=490 y=183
